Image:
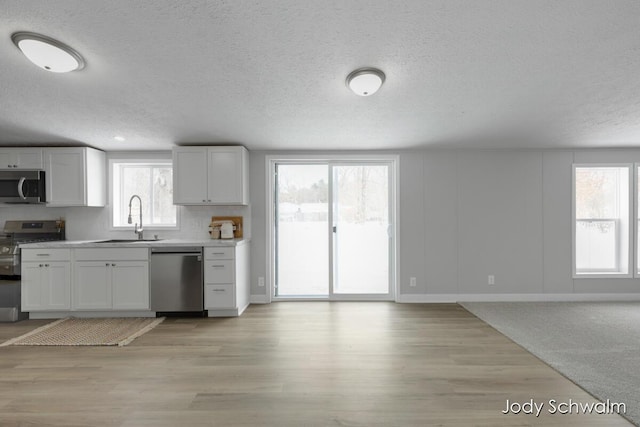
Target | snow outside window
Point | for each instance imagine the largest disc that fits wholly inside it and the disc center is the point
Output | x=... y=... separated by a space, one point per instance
x=602 y=220
x=153 y=182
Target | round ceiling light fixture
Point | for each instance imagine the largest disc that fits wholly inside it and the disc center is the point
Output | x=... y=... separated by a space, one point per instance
x=47 y=53
x=365 y=81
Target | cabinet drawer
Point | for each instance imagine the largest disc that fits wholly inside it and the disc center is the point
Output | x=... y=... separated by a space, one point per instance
x=112 y=254
x=45 y=255
x=220 y=271
x=219 y=253
x=218 y=296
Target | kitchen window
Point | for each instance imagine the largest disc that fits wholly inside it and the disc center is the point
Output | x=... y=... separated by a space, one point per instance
x=152 y=180
x=602 y=226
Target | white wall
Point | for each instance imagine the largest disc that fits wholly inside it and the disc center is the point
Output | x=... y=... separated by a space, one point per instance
x=466 y=214
x=93 y=223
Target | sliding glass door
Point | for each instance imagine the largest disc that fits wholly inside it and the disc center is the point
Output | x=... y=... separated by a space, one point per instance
x=332 y=228
x=301 y=239
x=361 y=238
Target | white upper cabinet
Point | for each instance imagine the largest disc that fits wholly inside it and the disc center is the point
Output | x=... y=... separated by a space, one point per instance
x=21 y=158
x=190 y=175
x=211 y=175
x=76 y=176
x=228 y=175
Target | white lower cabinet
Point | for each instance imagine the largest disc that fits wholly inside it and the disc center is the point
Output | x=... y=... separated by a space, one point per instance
x=105 y=279
x=92 y=285
x=226 y=280
x=117 y=279
x=130 y=285
x=219 y=296
x=106 y=285
x=46 y=286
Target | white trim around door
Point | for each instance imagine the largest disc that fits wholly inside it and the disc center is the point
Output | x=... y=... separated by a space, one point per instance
x=334 y=159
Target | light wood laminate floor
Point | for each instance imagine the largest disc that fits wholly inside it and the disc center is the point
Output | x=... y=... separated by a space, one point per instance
x=290 y=364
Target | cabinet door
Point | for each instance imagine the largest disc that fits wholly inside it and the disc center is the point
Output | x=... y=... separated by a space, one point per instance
x=29 y=158
x=226 y=175
x=6 y=159
x=57 y=285
x=65 y=175
x=46 y=286
x=130 y=280
x=92 y=285
x=190 y=176
x=32 y=286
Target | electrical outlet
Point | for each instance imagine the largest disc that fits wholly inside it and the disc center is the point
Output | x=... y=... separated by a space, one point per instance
x=412 y=282
x=261 y=281
x=491 y=279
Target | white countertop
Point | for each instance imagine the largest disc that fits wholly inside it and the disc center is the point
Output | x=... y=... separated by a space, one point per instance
x=145 y=244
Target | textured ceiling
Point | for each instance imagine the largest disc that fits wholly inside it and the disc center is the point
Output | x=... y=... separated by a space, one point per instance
x=271 y=74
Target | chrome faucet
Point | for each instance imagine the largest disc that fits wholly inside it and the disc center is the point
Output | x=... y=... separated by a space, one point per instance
x=136 y=230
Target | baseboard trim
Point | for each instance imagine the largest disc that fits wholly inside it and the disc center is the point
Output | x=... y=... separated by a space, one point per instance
x=230 y=312
x=259 y=299
x=454 y=298
x=242 y=309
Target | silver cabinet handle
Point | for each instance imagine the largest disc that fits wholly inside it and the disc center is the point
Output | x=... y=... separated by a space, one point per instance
x=113 y=265
x=217 y=266
x=107 y=264
x=40 y=265
x=218 y=290
x=46 y=265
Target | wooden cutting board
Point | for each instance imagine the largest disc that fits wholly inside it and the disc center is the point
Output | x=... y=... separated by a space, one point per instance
x=237 y=221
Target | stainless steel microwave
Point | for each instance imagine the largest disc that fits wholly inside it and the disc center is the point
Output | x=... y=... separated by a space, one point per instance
x=22 y=186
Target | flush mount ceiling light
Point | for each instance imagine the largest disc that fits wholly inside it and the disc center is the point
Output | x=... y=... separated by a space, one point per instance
x=47 y=53
x=365 y=81
x=119 y=138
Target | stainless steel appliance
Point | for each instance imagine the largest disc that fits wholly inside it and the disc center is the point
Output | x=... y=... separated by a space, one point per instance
x=10 y=301
x=15 y=234
x=176 y=283
x=22 y=186
x=21 y=232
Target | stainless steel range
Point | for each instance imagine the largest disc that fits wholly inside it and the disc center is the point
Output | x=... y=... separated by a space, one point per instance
x=16 y=233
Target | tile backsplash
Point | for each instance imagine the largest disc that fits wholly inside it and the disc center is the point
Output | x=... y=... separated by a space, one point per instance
x=85 y=223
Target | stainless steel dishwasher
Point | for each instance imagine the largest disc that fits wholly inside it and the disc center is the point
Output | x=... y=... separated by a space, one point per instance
x=176 y=279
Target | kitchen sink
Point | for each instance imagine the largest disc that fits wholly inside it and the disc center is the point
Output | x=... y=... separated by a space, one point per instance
x=128 y=240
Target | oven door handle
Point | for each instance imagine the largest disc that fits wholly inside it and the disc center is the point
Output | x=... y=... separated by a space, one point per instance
x=20 y=188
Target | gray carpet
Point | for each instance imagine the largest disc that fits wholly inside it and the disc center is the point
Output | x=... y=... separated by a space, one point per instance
x=594 y=344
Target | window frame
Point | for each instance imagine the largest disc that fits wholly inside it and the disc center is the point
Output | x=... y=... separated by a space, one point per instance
x=632 y=237
x=127 y=158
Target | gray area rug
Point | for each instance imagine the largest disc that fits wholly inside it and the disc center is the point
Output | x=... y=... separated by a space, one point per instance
x=594 y=344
